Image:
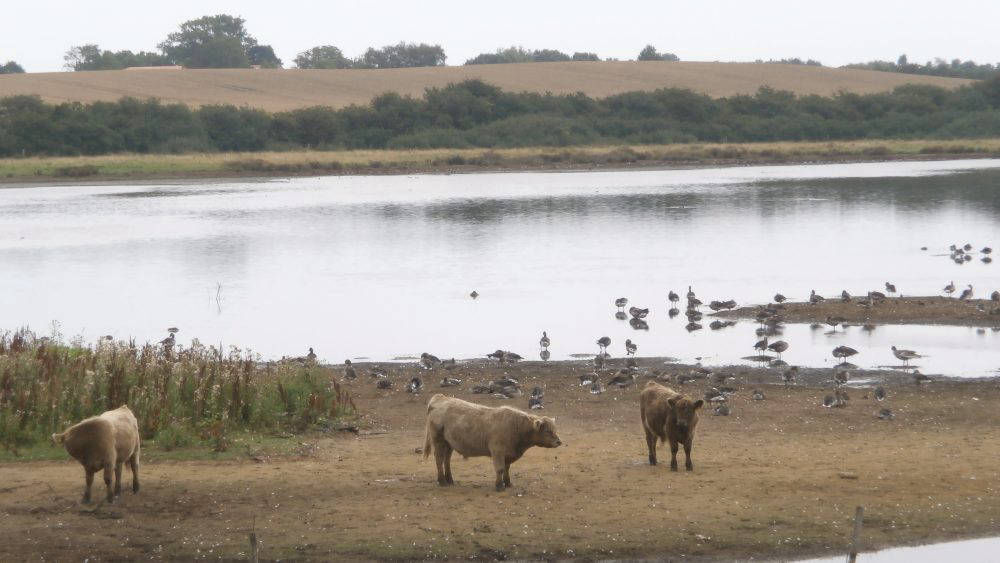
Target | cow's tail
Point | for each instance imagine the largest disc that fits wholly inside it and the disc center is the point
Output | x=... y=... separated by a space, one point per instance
x=429 y=430
x=427 y=438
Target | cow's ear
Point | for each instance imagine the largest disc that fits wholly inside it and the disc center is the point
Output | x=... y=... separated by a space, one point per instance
x=672 y=401
x=538 y=424
x=698 y=404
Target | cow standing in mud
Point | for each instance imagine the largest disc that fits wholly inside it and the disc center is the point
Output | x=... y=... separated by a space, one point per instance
x=472 y=430
x=105 y=443
x=668 y=415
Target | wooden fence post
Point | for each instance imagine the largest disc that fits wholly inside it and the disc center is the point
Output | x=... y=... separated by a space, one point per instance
x=852 y=556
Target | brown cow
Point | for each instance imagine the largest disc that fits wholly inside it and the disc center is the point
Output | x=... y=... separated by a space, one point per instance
x=105 y=442
x=472 y=430
x=668 y=415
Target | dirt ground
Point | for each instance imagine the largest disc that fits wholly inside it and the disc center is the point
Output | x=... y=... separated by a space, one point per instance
x=778 y=478
x=893 y=310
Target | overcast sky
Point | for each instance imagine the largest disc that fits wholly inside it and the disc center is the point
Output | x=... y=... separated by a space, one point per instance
x=38 y=33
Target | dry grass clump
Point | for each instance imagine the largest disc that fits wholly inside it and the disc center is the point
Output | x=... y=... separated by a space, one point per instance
x=176 y=393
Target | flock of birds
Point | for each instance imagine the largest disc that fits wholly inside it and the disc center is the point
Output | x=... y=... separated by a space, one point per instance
x=771 y=320
x=962 y=254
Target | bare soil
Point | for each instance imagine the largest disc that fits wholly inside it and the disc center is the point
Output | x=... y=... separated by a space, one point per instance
x=778 y=478
x=280 y=90
x=893 y=310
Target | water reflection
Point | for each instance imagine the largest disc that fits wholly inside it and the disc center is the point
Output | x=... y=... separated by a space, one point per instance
x=383 y=266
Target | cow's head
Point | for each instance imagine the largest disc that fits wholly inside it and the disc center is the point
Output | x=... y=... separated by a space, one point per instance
x=685 y=411
x=545 y=432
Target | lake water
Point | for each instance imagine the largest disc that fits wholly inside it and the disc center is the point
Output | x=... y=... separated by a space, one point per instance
x=382 y=266
x=985 y=550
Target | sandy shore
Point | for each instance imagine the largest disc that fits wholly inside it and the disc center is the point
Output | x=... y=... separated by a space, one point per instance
x=893 y=310
x=777 y=478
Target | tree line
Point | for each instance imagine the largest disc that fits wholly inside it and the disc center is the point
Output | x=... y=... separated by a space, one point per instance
x=477 y=114
x=957 y=68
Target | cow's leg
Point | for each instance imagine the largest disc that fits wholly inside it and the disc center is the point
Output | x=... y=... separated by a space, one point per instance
x=651 y=445
x=447 y=465
x=499 y=466
x=687 y=455
x=133 y=464
x=109 y=467
x=506 y=474
x=673 y=454
x=118 y=478
x=439 y=461
x=90 y=482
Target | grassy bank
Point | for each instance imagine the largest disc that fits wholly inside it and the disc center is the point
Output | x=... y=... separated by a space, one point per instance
x=183 y=397
x=321 y=163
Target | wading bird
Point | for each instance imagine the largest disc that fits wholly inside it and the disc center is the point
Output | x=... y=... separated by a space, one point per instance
x=673 y=297
x=950 y=288
x=621 y=302
x=630 y=347
x=905 y=355
x=778 y=347
x=815 y=298
x=890 y=288
x=834 y=321
x=544 y=342
x=844 y=352
x=779 y=298
x=604 y=342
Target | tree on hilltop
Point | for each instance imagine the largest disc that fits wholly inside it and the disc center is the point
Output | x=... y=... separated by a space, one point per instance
x=219 y=41
x=11 y=67
x=649 y=53
x=323 y=56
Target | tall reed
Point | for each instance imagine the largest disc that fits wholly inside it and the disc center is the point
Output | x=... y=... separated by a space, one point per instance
x=47 y=385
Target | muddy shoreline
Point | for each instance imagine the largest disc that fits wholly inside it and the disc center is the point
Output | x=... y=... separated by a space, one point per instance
x=892 y=310
x=777 y=479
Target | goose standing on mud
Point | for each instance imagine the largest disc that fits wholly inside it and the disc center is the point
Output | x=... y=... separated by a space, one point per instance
x=779 y=298
x=966 y=293
x=890 y=288
x=905 y=355
x=950 y=288
x=815 y=298
x=349 y=373
x=845 y=297
x=544 y=341
x=429 y=361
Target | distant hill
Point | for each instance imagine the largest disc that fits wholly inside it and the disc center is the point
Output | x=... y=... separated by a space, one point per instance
x=277 y=90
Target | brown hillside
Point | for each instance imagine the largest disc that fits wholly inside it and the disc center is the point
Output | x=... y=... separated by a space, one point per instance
x=289 y=89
